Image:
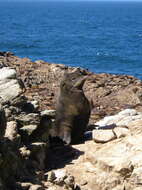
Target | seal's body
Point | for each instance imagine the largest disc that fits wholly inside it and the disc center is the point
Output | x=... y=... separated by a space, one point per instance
x=73 y=108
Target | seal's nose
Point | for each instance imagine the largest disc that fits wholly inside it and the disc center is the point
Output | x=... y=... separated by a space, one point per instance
x=79 y=84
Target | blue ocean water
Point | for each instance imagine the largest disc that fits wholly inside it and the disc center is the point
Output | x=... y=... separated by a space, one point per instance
x=99 y=36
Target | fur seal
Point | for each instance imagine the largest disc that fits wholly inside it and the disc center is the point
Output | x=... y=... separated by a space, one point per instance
x=73 y=108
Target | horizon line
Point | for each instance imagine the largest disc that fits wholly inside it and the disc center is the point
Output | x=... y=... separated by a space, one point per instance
x=131 y=1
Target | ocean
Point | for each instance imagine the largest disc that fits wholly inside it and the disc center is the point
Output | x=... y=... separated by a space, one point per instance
x=98 y=36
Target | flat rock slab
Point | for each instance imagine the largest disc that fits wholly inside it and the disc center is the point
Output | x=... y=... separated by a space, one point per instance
x=124 y=117
x=36 y=187
x=103 y=136
x=51 y=113
x=110 y=165
x=9 y=89
x=28 y=129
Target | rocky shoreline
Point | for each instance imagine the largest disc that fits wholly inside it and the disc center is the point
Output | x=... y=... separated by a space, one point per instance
x=42 y=79
x=111 y=161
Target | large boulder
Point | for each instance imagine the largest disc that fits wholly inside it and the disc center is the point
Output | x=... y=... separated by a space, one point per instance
x=10 y=87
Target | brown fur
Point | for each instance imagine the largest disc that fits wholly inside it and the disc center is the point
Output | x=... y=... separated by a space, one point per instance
x=73 y=108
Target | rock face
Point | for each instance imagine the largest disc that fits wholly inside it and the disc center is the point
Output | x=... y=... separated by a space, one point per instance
x=2 y=122
x=73 y=108
x=112 y=162
x=109 y=166
x=122 y=118
x=115 y=164
x=23 y=151
x=42 y=81
x=108 y=93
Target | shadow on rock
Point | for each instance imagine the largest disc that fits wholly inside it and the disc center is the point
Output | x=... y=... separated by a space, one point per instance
x=61 y=155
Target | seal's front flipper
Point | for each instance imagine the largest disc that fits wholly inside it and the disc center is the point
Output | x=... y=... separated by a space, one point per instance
x=66 y=136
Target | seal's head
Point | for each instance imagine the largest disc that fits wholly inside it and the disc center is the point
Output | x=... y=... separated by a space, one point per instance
x=73 y=81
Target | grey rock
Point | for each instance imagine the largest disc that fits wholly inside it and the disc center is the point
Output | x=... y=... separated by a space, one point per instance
x=83 y=182
x=28 y=129
x=35 y=128
x=103 y=136
x=61 y=175
x=122 y=118
x=26 y=132
x=52 y=188
x=25 y=153
x=2 y=122
x=51 y=176
x=44 y=128
x=28 y=119
x=136 y=177
x=7 y=73
x=35 y=104
x=51 y=113
x=36 y=187
x=121 y=131
x=7 y=112
x=25 y=185
x=70 y=181
x=10 y=86
x=19 y=101
x=9 y=90
x=11 y=164
x=38 y=154
x=12 y=132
